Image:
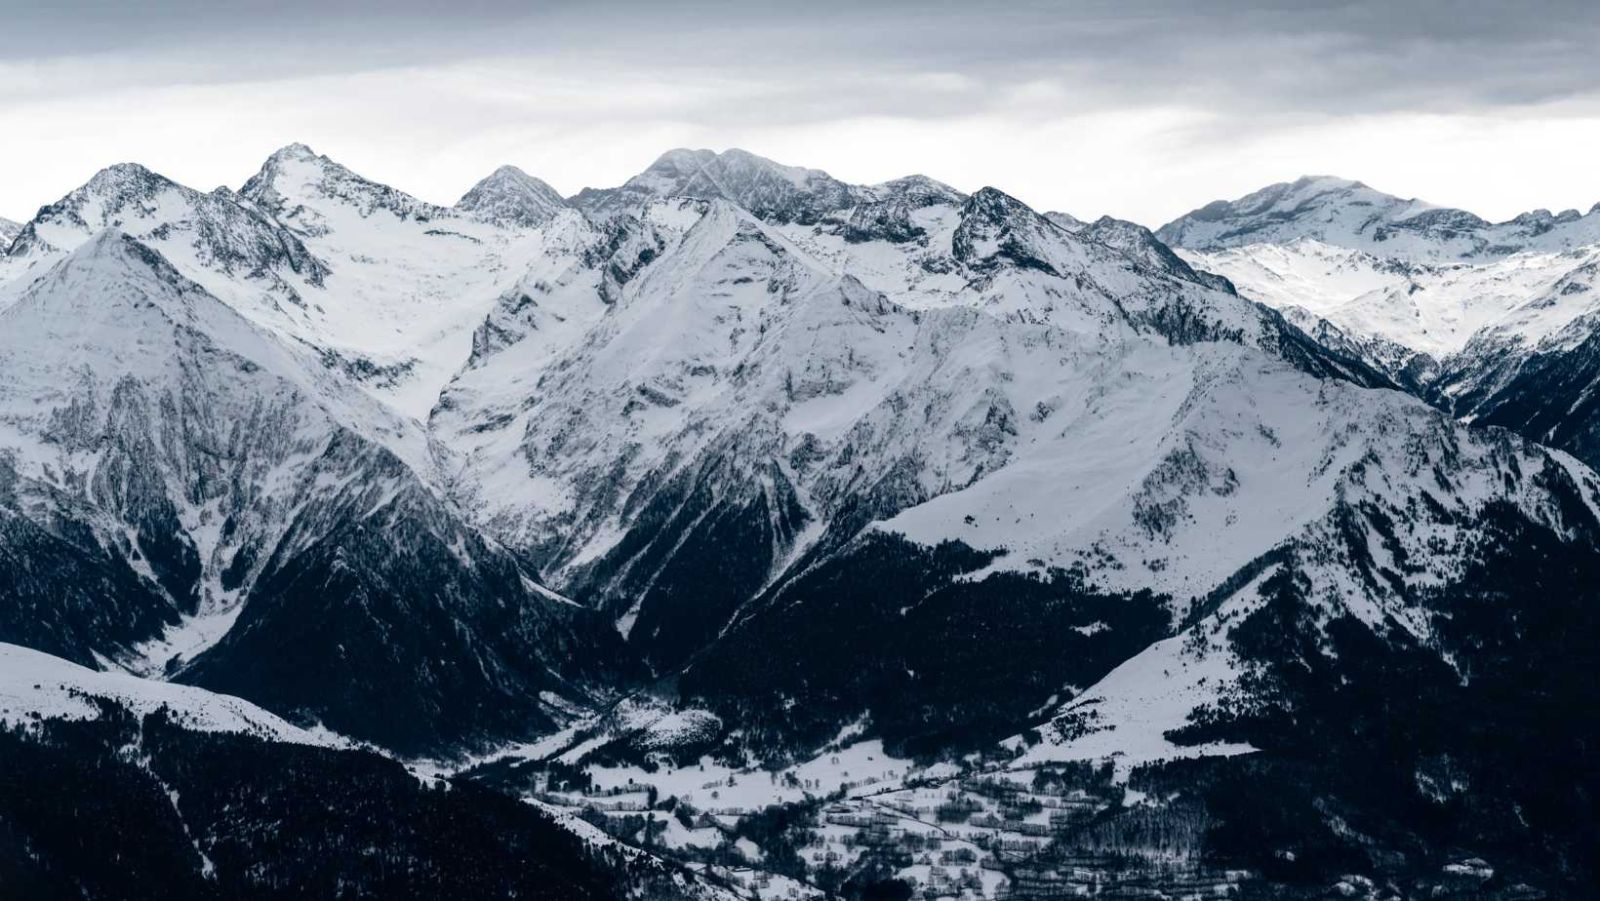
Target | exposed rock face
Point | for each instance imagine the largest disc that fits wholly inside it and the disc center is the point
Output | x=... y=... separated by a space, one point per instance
x=221 y=231
x=509 y=196
x=737 y=463
x=251 y=525
x=765 y=188
x=1489 y=322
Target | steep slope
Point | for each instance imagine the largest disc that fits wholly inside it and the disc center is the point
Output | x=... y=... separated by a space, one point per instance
x=1140 y=243
x=991 y=252
x=1495 y=336
x=409 y=280
x=1117 y=514
x=1349 y=214
x=1543 y=387
x=671 y=434
x=928 y=485
x=8 y=233
x=186 y=493
x=220 y=238
x=384 y=288
x=509 y=196
x=1365 y=707
x=134 y=401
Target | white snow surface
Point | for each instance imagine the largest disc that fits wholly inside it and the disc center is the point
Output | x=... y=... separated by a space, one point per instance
x=36 y=686
x=1434 y=308
x=1013 y=374
x=1350 y=214
x=392 y=288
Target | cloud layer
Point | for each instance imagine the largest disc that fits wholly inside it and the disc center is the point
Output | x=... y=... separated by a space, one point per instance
x=1140 y=109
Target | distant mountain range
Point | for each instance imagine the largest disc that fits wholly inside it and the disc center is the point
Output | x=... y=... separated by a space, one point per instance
x=772 y=536
x=1491 y=322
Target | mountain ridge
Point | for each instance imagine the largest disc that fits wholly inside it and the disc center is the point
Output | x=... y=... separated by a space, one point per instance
x=761 y=517
x=1350 y=214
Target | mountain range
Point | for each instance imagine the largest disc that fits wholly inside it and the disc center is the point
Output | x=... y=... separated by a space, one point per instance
x=773 y=536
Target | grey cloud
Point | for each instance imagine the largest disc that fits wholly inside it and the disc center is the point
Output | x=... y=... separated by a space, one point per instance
x=1252 y=55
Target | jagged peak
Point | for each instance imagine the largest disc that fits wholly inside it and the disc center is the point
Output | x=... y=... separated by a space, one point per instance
x=295 y=151
x=119 y=172
x=1121 y=234
x=766 y=188
x=114 y=285
x=295 y=173
x=510 y=196
x=108 y=192
x=996 y=227
x=992 y=202
x=691 y=162
x=1140 y=244
x=115 y=183
x=919 y=188
x=112 y=270
x=290 y=155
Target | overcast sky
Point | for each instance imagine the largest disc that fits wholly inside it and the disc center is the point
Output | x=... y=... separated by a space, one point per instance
x=1143 y=109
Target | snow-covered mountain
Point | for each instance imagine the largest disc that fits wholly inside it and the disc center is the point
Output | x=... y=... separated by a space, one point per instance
x=740 y=463
x=1492 y=323
x=1349 y=214
x=765 y=188
x=409 y=279
x=381 y=285
x=719 y=380
x=184 y=492
x=219 y=234
x=510 y=196
x=816 y=465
